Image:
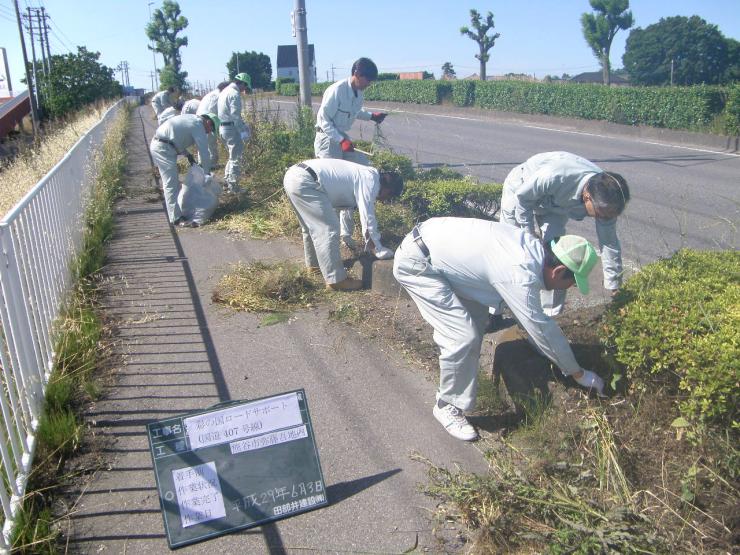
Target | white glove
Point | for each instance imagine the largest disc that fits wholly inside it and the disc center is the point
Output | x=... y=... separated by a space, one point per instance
x=589 y=380
x=383 y=253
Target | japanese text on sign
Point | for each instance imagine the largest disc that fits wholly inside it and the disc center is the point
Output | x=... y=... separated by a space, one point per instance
x=198 y=494
x=268 y=440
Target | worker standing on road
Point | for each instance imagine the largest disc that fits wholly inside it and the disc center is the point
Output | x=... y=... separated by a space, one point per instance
x=191 y=106
x=552 y=187
x=234 y=132
x=171 y=139
x=340 y=106
x=209 y=105
x=455 y=268
x=163 y=100
x=316 y=188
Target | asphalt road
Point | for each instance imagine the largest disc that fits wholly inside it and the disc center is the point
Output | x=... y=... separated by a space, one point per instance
x=681 y=196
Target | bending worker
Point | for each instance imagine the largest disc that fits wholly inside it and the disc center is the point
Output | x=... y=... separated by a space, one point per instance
x=191 y=106
x=456 y=268
x=340 y=106
x=163 y=100
x=173 y=138
x=315 y=189
x=234 y=132
x=552 y=187
x=209 y=105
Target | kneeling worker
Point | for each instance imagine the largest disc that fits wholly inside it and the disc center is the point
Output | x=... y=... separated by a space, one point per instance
x=456 y=268
x=315 y=189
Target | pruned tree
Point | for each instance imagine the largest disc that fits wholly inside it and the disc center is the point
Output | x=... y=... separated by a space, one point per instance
x=448 y=72
x=600 y=28
x=163 y=29
x=480 y=35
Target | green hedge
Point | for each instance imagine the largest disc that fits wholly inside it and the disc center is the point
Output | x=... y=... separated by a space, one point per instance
x=292 y=89
x=678 y=322
x=417 y=92
x=463 y=93
x=460 y=197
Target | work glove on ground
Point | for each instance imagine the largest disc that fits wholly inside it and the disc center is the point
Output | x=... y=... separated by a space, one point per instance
x=378 y=117
x=590 y=381
x=191 y=159
x=347 y=145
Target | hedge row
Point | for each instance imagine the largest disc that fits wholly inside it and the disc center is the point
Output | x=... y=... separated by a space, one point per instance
x=427 y=91
x=678 y=322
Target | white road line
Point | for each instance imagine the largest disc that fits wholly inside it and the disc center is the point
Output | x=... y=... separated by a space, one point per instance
x=554 y=130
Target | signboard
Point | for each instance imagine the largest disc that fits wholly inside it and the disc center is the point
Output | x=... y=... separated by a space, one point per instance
x=6 y=88
x=236 y=466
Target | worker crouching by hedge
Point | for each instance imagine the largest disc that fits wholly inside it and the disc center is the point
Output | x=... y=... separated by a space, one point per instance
x=234 y=132
x=315 y=189
x=454 y=269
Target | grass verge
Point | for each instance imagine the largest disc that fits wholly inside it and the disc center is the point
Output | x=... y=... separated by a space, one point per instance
x=79 y=346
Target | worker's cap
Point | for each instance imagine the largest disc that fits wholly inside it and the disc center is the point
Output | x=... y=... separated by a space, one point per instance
x=244 y=78
x=578 y=255
x=214 y=119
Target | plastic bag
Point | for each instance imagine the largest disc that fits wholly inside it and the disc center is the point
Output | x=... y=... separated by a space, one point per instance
x=198 y=196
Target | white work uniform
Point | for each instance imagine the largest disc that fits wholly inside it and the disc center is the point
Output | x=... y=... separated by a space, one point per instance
x=340 y=184
x=173 y=137
x=191 y=106
x=160 y=101
x=548 y=189
x=231 y=130
x=475 y=264
x=340 y=106
x=209 y=105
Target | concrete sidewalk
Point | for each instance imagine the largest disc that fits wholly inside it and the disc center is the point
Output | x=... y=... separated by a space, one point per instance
x=370 y=410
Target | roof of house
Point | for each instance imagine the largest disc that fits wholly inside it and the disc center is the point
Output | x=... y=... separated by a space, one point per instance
x=287 y=55
x=597 y=77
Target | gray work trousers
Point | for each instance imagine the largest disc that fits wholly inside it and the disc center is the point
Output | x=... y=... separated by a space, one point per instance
x=325 y=147
x=212 y=150
x=459 y=324
x=319 y=223
x=234 y=144
x=165 y=157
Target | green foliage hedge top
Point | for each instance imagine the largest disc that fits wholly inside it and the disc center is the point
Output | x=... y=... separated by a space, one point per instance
x=419 y=92
x=678 y=322
x=460 y=197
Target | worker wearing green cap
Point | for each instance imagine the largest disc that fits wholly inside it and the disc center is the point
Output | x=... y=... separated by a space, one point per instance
x=234 y=132
x=454 y=269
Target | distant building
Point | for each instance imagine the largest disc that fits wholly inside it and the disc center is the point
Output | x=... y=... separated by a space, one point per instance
x=598 y=78
x=411 y=75
x=287 y=62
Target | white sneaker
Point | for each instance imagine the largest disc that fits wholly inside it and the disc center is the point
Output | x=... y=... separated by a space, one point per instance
x=454 y=421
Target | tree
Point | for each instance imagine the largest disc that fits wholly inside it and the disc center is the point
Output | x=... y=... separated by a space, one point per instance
x=678 y=50
x=485 y=41
x=74 y=81
x=600 y=28
x=256 y=64
x=448 y=72
x=166 y=23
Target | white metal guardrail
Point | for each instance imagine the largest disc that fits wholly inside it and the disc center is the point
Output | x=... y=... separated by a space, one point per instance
x=39 y=239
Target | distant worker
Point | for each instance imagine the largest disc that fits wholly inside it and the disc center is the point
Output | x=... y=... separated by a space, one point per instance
x=209 y=105
x=173 y=138
x=552 y=187
x=234 y=132
x=191 y=106
x=340 y=106
x=454 y=269
x=316 y=188
x=164 y=99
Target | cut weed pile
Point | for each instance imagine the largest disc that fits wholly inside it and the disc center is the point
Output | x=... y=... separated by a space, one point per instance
x=261 y=287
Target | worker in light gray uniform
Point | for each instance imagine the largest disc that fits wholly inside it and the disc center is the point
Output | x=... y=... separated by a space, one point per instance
x=455 y=268
x=164 y=99
x=552 y=187
x=234 y=132
x=173 y=138
x=340 y=106
x=209 y=105
x=316 y=188
x=191 y=106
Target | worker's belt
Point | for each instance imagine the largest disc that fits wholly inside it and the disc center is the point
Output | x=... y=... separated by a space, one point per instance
x=167 y=142
x=227 y=123
x=419 y=242
x=309 y=170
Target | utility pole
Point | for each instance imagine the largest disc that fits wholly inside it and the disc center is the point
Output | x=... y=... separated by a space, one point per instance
x=151 y=74
x=45 y=17
x=332 y=71
x=34 y=106
x=671 y=72
x=237 y=62
x=33 y=64
x=45 y=63
x=301 y=32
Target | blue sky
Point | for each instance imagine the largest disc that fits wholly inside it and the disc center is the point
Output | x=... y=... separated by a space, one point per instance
x=538 y=37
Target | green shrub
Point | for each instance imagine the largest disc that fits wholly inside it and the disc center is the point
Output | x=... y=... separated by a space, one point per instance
x=461 y=197
x=288 y=89
x=463 y=93
x=317 y=89
x=385 y=160
x=731 y=114
x=678 y=322
x=418 y=92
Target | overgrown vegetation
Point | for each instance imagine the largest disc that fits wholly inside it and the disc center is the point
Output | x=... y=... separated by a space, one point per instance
x=79 y=349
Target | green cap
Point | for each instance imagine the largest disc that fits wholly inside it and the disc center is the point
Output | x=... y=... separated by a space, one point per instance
x=216 y=122
x=244 y=78
x=578 y=255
